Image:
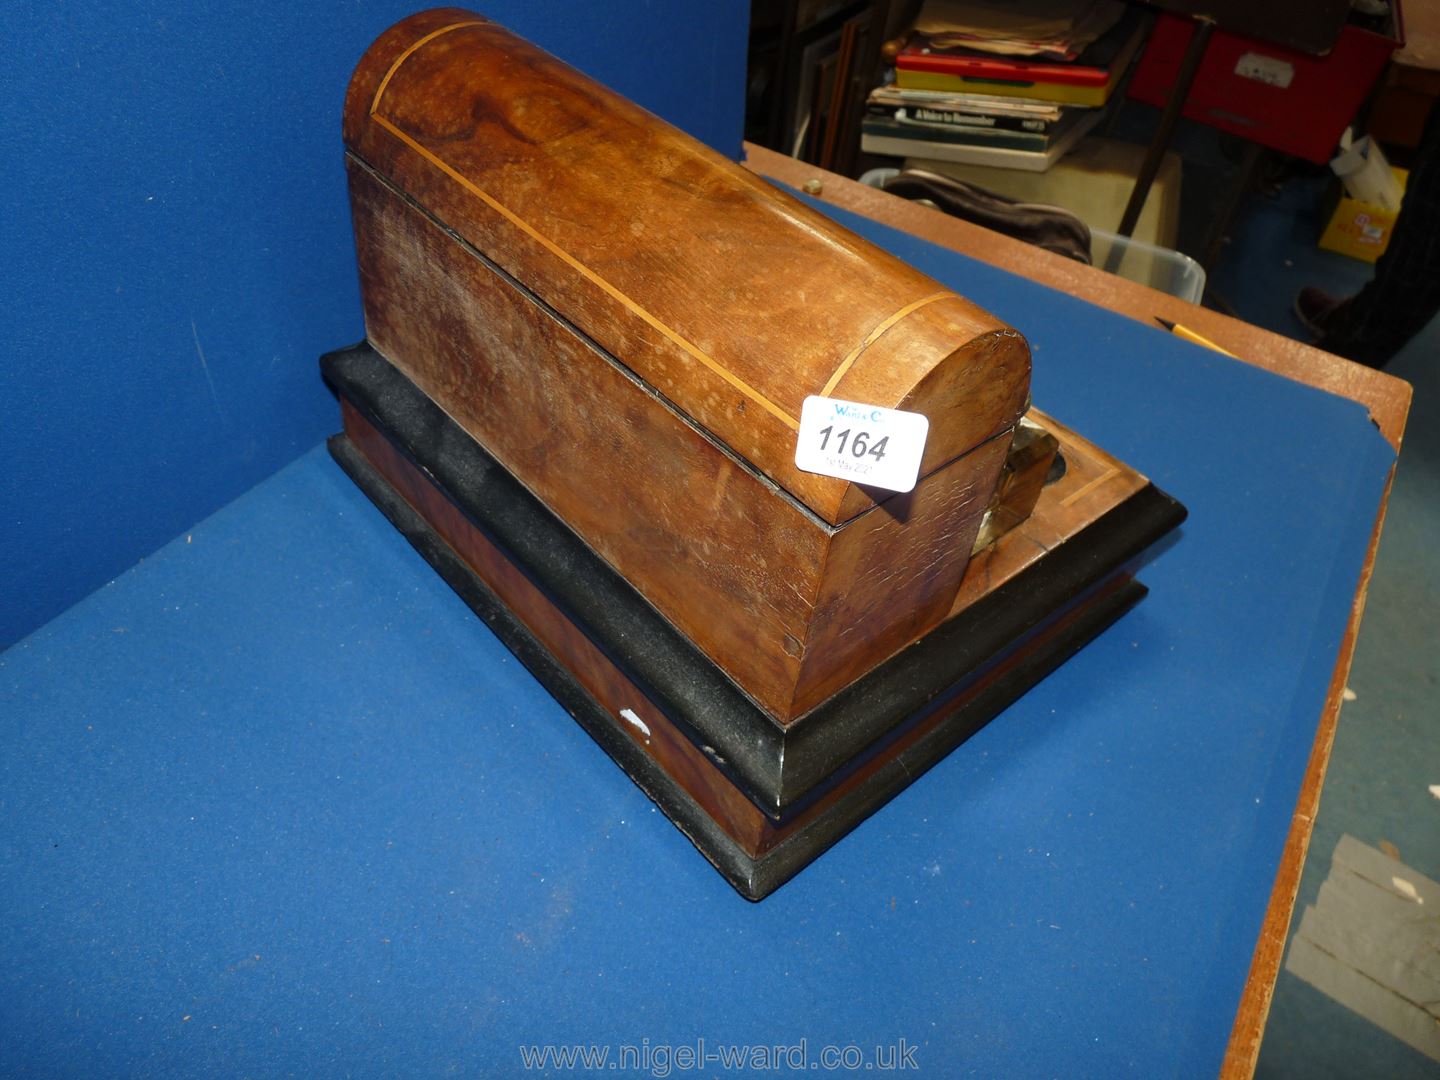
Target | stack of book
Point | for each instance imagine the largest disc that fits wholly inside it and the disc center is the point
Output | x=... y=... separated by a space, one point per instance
x=1050 y=29
x=973 y=128
x=973 y=105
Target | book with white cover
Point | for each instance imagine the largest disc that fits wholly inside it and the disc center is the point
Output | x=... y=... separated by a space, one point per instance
x=973 y=154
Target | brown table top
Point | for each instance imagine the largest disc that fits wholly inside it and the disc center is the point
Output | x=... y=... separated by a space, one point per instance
x=1422 y=36
x=1387 y=398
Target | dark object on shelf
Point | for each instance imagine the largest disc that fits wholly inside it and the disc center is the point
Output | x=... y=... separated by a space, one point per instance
x=589 y=342
x=1050 y=227
x=1308 y=26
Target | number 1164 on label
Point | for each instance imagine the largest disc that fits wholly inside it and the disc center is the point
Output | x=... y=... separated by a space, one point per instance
x=869 y=444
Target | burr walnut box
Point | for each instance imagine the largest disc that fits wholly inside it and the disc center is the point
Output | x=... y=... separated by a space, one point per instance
x=589 y=340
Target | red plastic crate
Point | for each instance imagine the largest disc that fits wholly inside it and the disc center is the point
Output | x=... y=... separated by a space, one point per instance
x=1277 y=97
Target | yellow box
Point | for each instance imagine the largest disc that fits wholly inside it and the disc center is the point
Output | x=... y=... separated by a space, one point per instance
x=1358 y=229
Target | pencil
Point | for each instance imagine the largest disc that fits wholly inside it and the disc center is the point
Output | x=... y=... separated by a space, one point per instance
x=1185 y=333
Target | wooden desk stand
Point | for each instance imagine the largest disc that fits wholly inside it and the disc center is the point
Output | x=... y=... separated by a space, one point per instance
x=590 y=339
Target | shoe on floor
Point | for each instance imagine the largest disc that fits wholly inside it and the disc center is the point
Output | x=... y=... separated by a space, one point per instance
x=1314 y=307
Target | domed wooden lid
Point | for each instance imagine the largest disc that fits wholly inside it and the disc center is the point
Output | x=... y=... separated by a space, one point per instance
x=723 y=295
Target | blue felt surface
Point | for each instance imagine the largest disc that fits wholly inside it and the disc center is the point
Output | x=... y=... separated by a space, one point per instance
x=280 y=781
x=176 y=240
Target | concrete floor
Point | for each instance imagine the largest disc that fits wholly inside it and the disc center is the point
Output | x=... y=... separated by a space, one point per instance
x=1387 y=749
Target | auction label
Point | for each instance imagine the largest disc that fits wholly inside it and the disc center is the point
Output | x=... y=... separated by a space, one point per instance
x=868 y=444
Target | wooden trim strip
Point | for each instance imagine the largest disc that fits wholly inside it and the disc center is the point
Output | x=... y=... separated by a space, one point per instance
x=1091 y=486
x=375 y=104
x=875 y=334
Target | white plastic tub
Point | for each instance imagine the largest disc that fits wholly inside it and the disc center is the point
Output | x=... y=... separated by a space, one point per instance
x=1160 y=268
